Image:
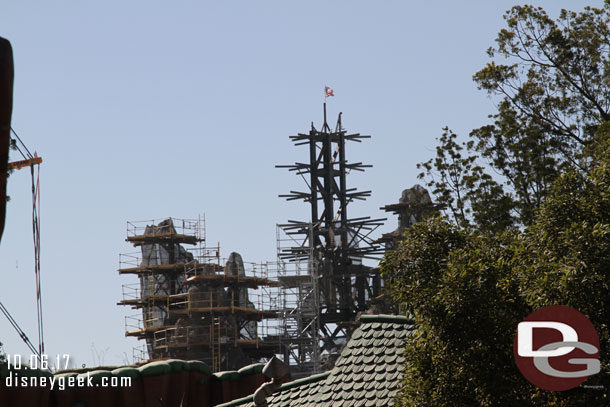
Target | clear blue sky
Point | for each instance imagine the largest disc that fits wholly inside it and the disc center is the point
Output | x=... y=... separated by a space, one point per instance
x=148 y=109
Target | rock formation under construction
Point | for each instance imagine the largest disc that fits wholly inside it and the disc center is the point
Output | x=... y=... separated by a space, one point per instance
x=190 y=306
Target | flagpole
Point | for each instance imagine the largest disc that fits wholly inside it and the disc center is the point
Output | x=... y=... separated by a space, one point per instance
x=324 y=103
x=324 y=125
x=327 y=92
x=324 y=107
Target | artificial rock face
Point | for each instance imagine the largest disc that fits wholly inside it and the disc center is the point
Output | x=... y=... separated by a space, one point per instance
x=235 y=267
x=417 y=198
x=156 y=284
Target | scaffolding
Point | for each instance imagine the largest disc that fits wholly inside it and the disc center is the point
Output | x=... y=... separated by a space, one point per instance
x=299 y=316
x=332 y=284
x=194 y=305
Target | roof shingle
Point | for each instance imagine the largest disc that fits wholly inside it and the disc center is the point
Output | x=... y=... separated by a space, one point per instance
x=366 y=374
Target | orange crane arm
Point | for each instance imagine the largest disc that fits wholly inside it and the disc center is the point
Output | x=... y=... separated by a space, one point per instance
x=17 y=165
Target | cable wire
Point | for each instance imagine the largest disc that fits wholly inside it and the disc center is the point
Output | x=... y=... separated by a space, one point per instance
x=36 y=236
x=29 y=155
x=20 y=331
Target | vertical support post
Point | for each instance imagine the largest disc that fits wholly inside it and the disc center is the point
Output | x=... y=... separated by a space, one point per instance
x=315 y=326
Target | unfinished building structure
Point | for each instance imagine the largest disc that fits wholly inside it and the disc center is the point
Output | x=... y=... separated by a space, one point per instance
x=191 y=305
x=321 y=260
x=413 y=206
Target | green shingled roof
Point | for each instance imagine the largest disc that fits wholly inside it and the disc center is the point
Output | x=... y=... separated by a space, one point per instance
x=368 y=372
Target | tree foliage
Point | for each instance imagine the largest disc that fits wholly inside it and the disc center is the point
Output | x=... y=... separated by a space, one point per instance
x=468 y=289
x=551 y=79
x=536 y=235
x=460 y=288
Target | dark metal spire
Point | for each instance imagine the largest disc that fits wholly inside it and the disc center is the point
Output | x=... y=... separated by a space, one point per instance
x=339 y=243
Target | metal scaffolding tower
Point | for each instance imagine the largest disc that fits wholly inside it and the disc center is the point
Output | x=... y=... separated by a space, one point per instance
x=299 y=299
x=192 y=307
x=331 y=244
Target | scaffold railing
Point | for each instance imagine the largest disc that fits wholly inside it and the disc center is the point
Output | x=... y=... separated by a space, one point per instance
x=134 y=296
x=134 y=322
x=140 y=354
x=214 y=333
x=220 y=301
x=194 y=261
x=197 y=267
x=131 y=291
x=154 y=259
x=206 y=254
x=137 y=322
x=129 y=260
x=187 y=227
x=195 y=335
x=198 y=299
x=266 y=298
x=262 y=274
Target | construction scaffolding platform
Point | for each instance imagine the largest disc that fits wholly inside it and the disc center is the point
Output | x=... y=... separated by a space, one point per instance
x=192 y=303
x=300 y=314
x=181 y=231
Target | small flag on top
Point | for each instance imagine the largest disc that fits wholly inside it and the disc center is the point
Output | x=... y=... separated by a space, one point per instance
x=328 y=92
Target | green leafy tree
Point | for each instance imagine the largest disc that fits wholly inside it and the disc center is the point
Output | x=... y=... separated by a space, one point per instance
x=461 y=288
x=536 y=233
x=463 y=187
x=468 y=289
x=552 y=82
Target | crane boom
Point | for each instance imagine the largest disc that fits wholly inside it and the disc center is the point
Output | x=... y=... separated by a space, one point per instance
x=17 y=165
